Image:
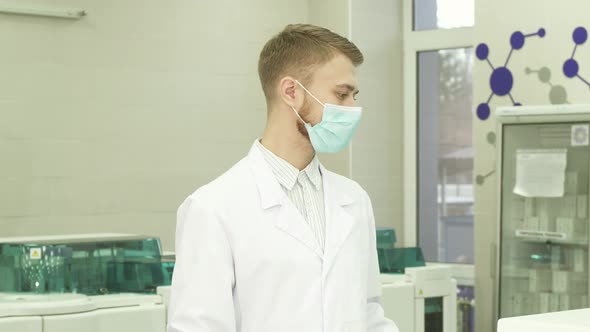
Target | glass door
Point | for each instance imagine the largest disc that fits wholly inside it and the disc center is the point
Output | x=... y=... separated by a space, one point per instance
x=544 y=218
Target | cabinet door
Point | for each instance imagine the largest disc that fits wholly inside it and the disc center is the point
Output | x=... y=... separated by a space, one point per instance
x=544 y=228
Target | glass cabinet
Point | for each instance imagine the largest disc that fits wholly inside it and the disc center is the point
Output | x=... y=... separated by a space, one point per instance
x=544 y=162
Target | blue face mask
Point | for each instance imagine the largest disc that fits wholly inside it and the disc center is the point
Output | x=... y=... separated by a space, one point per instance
x=335 y=130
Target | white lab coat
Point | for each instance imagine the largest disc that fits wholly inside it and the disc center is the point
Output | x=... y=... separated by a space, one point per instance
x=246 y=260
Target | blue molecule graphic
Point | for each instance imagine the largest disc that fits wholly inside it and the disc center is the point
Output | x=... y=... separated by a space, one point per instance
x=571 y=68
x=517 y=40
x=482 y=51
x=501 y=80
x=580 y=35
x=483 y=111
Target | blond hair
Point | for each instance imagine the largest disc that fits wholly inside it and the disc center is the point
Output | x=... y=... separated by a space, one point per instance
x=297 y=51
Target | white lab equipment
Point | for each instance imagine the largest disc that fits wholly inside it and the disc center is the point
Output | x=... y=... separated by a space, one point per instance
x=103 y=282
x=424 y=299
x=68 y=312
x=421 y=300
x=563 y=321
x=397 y=300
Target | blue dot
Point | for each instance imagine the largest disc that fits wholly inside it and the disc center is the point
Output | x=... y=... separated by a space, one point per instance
x=541 y=32
x=570 y=68
x=580 y=35
x=517 y=104
x=517 y=40
x=501 y=81
x=483 y=111
x=482 y=51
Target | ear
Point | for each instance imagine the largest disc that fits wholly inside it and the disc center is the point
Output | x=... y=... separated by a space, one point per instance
x=289 y=92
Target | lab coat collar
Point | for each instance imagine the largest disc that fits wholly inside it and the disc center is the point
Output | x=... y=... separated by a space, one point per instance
x=269 y=188
x=339 y=197
x=288 y=219
x=339 y=222
x=271 y=193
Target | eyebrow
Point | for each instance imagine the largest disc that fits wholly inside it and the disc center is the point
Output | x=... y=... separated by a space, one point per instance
x=349 y=87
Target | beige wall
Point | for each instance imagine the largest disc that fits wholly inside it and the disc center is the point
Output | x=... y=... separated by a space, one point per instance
x=559 y=18
x=110 y=121
x=334 y=15
x=374 y=158
x=377 y=149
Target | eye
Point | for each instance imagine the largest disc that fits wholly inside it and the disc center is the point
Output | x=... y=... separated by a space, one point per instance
x=342 y=96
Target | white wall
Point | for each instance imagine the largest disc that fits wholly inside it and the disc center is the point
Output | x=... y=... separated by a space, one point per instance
x=107 y=123
x=374 y=158
x=333 y=15
x=495 y=21
x=377 y=149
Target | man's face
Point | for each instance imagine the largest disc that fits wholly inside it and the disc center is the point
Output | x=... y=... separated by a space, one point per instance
x=332 y=83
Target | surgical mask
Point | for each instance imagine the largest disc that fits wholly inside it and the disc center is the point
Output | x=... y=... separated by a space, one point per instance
x=335 y=130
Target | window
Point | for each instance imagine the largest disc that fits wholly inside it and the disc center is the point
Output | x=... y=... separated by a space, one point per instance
x=445 y=155
x=443 y=14
x=438 y=150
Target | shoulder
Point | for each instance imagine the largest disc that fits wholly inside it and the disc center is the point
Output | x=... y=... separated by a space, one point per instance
x=345 y=185
x=225 y=187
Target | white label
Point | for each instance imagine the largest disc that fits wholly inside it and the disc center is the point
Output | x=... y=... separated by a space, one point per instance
x=540 y=235
x=540 y=173
x=35 y=253
x=580 y=135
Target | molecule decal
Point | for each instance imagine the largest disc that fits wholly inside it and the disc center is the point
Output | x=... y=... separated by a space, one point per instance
x=557 y=93
x=501 y=80
x=571 y=68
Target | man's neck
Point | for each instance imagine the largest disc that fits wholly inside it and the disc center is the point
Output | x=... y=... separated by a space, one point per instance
x=287 y=143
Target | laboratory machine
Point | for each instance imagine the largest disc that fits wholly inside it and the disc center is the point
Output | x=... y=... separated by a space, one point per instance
x=121 y=283
x=418 y=298
x=104 y=282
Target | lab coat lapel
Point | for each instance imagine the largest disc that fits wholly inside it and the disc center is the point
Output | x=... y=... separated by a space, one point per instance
x=290 y=221
x=276 y=204
x=339 y=223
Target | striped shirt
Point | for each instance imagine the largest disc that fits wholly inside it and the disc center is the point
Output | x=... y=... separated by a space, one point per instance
x=304 y=189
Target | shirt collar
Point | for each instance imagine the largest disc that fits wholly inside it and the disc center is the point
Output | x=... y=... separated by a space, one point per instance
x=286 y=173
x=313 y=172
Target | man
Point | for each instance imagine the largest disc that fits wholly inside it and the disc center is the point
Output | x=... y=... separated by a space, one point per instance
x=278 y=243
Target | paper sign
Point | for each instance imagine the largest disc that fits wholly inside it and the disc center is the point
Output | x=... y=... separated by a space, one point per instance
x=540 y=173
x=580 y=135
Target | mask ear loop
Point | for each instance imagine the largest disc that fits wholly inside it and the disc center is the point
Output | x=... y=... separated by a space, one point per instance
x=311 y=94
x=297 y=113
x=299 y=116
